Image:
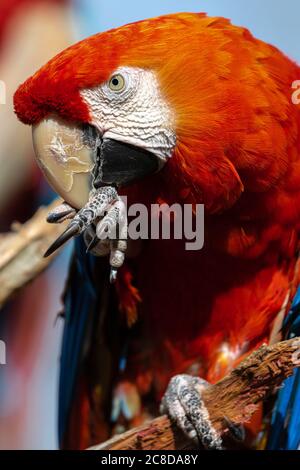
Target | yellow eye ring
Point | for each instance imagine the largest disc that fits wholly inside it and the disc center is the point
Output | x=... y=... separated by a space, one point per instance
x=117 y=83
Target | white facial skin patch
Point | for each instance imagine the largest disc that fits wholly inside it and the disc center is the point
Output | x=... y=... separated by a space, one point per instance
x=130 y=108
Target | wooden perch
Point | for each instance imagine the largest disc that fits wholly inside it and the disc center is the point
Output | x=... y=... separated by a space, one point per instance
x=22 y=250
x=236 y=396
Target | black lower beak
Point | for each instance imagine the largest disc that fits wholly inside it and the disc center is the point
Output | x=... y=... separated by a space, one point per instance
x=120 y=164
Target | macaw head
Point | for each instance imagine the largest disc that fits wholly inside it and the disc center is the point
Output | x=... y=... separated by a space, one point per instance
x=94 y=120
x=169 y=93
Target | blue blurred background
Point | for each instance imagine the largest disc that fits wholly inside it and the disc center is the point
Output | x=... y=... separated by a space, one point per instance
x=31 y=32
x=275 y=21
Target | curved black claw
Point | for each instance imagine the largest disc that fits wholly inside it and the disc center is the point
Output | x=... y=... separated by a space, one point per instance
x=55 y=217
x=113 y=275
x=237 y=431
x=72 y=230
x=92 y=244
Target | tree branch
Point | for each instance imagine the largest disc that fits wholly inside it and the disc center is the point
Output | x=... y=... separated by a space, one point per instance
x=235 y=397
x=22 y=249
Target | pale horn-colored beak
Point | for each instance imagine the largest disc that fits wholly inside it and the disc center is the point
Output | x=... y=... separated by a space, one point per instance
x=66 y=153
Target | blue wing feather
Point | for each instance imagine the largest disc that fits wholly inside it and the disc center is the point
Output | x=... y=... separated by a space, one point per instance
x=285 y=425
x=80 y=303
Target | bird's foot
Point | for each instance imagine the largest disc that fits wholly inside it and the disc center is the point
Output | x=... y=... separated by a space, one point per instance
x=109 y=236
x=103 y=221
x=182 y=402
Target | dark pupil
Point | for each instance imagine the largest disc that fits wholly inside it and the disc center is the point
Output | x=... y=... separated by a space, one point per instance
x=115 y=81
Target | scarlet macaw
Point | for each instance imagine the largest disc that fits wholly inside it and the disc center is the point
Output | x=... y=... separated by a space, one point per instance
x=204 y=112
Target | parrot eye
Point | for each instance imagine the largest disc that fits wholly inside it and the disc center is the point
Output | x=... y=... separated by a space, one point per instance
x=117 y=83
